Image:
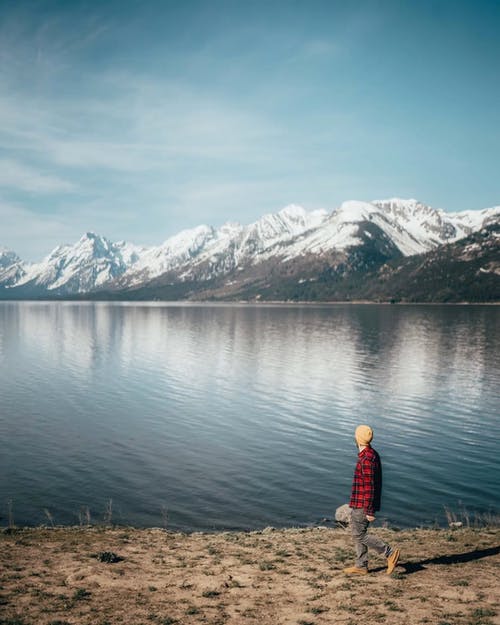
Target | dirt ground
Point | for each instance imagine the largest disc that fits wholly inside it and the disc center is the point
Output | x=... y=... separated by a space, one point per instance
x=274 y=577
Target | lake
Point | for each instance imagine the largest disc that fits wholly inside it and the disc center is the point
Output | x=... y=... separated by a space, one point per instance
x=204 y=417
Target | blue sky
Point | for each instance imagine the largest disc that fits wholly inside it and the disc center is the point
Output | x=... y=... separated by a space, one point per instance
x=137 y=119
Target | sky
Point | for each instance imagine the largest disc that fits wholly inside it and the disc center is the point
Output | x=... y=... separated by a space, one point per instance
x=138 y=119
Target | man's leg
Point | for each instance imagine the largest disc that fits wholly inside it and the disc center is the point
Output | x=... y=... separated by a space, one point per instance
x=363 y=541
x=377 y=545
x=359 y=526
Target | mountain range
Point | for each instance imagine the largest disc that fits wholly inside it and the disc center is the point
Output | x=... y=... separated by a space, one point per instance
x=391 y=249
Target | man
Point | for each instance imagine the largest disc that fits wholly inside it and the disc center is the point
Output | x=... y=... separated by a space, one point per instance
x=365 y=501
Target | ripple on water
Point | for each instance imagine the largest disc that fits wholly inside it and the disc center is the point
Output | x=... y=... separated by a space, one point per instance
x=243 y=416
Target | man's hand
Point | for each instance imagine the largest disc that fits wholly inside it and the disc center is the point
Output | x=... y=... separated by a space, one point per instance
x=370 y=518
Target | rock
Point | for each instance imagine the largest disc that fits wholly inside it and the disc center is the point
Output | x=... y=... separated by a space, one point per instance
x=343 y=514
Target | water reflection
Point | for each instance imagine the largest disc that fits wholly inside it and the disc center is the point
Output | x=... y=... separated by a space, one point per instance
x=242 y=406
x=296 y=349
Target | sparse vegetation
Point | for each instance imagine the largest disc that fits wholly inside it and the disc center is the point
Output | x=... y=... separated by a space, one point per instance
x=267 y=566
x=49 y=516
x=10 y=514
x=81 y=593
x=211 y=593
x=463 y=518
x=108 y=556
x=318 y=610
x=54 y=576
x=481 y=613
x=108 y=513
x=192 y=610
x=84 y=515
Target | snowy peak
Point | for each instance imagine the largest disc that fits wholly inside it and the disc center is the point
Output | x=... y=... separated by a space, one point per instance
x=410 y=211
x=189 y=242
x=94 y=243
x=8 y=258
x=129 y=252
x=209 y=251
x=174 y=252
x=413 y=226
x=303 y=219
x=272 y=232
x=293 y=212
x=354 y=211
x=399 y=205
x=433 y=226
x=291 y=220
x=474 y=220
x=91 y=262
x=394 y=226
x=11 y=267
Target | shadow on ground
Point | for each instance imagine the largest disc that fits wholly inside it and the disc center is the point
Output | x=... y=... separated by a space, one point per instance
x=457 y=558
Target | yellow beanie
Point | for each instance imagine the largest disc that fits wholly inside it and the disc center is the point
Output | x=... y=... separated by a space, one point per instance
x=363 y=434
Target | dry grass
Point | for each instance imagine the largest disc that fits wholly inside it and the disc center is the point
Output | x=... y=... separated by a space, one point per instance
x=56 y=576
x=463 y=518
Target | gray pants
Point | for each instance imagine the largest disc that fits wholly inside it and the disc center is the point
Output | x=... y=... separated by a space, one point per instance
x=363 y=540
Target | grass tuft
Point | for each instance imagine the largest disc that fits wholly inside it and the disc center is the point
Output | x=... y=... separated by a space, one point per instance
x=211 y=593
x=80 y=594
x=477 y=520
x=318 y=610
x=266 y=566
x=192 y=610
x=108 y=556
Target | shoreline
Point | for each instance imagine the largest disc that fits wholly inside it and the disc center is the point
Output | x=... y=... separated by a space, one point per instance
x=478 y=522
x=293 y=576
x=249 y=303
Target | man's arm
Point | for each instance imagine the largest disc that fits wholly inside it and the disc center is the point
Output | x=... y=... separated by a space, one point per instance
x=368 y=471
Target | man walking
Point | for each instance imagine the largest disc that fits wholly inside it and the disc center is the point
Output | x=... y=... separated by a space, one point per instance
x=365 y=501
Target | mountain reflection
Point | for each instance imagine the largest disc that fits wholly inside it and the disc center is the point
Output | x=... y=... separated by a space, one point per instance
x=243 y=405
x=293 y=350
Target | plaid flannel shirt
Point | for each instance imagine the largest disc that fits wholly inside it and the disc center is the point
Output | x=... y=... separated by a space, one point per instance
x=367 y=482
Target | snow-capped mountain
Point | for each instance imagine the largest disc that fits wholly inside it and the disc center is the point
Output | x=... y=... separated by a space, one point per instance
x=92 y=262
x=225 y=249
x=8 y=258
x=205 y=253
x=358 y=234
x=466 y=270
x=412 y=226
x=11 y=267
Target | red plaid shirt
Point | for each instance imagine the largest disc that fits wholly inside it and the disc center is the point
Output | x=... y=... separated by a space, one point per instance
x=367 y=482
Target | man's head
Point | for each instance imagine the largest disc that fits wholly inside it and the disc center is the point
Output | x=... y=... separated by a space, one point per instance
x=363 y=435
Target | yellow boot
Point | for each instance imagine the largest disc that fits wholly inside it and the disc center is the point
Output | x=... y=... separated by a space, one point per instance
x=355 y=570
x=392 y=561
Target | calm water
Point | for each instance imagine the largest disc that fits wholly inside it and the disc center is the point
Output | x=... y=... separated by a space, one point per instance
x=241 y=416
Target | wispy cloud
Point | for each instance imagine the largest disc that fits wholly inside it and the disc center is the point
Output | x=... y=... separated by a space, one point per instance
x=139 y=121
x=24 y=178
x=141 y=125
x=167 y=138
